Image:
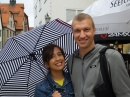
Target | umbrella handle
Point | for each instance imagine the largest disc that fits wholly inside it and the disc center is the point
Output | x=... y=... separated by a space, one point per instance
x=32 y=55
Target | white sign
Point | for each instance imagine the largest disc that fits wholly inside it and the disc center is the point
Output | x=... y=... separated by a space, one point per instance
x=102 y=7
x=119 y=34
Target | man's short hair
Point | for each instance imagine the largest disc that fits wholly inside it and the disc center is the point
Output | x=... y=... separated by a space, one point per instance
x=83 y=16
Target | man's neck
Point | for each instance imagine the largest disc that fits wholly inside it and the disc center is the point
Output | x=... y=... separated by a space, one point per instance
x=83 y=51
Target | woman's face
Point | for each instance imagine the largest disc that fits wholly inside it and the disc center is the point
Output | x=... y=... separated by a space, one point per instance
x=57 y=62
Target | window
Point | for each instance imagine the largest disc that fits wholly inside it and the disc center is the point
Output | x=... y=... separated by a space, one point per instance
x=79 y=11
x=11 y=23
x=0 y=33
x=10 y=15
x=13 y=33
x=0 y=45
x=70 y=13
x=15 y=14
x=25 y=28
x=40 y=23
x=10 y=33
x=7 y=33
x=45 y=1
x=40 y=5
x=35 y=11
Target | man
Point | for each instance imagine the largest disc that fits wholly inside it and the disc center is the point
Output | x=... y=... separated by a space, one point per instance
x=84 y=65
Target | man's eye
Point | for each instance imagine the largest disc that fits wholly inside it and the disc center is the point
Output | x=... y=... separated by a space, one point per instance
x=86 y=30
x=76 y=31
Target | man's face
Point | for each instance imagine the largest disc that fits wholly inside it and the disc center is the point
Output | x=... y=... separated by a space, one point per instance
x=83 y=32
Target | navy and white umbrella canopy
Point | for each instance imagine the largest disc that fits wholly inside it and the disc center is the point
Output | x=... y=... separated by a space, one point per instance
x=21 y=65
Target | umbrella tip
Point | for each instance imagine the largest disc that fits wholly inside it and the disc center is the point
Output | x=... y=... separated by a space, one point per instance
x=32 y=56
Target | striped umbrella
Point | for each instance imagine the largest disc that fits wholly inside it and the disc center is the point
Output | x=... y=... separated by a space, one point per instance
x=21 y=65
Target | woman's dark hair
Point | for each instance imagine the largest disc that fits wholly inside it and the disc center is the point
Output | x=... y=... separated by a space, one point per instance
x=47 y=52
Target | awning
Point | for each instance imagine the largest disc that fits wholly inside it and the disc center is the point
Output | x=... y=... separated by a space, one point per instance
x=121 y=37
x=110 y=15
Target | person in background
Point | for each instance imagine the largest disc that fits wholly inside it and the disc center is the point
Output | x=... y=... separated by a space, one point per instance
x=84 y=65
x=58 y=83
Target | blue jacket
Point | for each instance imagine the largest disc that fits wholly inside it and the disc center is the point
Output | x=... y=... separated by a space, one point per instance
x=45 y=89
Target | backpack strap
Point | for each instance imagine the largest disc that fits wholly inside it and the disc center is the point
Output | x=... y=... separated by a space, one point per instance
x=72 y=63
x=104 y=67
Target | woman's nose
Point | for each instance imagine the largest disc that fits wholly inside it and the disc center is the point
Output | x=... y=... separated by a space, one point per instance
x=57 y=57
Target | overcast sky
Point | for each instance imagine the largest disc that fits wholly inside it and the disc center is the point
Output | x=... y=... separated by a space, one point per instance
x=28 y=8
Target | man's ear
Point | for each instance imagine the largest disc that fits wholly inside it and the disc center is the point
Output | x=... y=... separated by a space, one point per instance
x=46 y=64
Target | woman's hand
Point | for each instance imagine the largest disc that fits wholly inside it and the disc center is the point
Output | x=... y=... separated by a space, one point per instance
x=56 y=94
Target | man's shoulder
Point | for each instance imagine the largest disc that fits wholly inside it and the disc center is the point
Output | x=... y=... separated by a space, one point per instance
x=108 y=51
x=112 y=53
x=71 y=55
x=70 y=58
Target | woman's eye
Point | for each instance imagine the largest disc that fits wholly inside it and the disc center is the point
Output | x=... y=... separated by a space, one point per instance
x=60 y=54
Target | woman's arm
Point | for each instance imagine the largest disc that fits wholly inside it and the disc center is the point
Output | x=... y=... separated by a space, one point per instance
x=38 y=92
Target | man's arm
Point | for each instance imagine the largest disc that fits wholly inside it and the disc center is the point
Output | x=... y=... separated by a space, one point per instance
x=119 y=75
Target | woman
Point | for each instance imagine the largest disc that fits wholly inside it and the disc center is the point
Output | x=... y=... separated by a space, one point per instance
x=58 y=82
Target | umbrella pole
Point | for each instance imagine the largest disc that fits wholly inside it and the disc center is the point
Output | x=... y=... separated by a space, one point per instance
x=34 y=58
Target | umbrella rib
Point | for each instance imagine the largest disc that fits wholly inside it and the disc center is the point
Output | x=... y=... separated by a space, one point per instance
x=21 y=45
x=14 y=73
x=65 y=24
x=29 y=71
x=51 y=42
x=39 y=37
x=13 y=59
x=44 y=74
x=42 y=32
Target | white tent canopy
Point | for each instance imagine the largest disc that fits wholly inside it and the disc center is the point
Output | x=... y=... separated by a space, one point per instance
x=110 y=15
x=102 y=7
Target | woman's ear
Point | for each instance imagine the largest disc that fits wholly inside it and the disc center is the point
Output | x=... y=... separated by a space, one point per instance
x=46 y=64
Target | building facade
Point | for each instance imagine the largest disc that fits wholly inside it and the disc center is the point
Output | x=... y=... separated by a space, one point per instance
x=14 y=20
x=62 y=9
x=0 y=31
x=8 y=28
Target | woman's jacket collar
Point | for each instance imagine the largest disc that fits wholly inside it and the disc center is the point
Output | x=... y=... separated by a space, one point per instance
x=67 y=79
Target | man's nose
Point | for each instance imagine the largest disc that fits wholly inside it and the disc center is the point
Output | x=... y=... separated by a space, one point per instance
x=82 y=34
